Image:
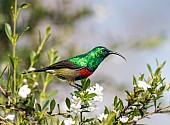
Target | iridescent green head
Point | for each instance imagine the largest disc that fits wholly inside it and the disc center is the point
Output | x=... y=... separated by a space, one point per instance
x=93 y=58
x=102 y=52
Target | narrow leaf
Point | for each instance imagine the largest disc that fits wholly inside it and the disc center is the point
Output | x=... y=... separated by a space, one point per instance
x=23 y=31
x=141 y=77
x=52 y=94
x=115 y=101
x=38 y=106
x=24 y=5
x=127 y=92
x=68 y=103
x=48 y=30
x=162 y=65
x=52 y=105
x=154 y=101
x=91 y=95
x=8 y=31
x=85 y=84
x=32 y=55
x=157 y=71
x=149 y=68
x=134 y=81
x=45 y=105
x=106 y=111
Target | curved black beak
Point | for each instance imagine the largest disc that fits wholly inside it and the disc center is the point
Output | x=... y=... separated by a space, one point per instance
x=116 y=53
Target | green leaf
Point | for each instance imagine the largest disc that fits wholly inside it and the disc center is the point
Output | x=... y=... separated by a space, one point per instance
x=8 y=31
x=120 y=104
x=48 y=28
x=24 y=5
x=51 y=94
x=52 y=105
x=128 y=93
x=149 y=68
x=39 y=36
x=161 y=89
x=115 y=101
x=154 y=101
x=85 y=84
x=157 y=71
x=23 y=31
x=91 y=95
x=159 y=104
x=45 y=105
x=141 y=112
x=162 y=65
x=38 y=106
x=141 y=77
x=106 y=111
x=68 y=103
x=164 y=111
x=32 y=55
x=134 y=81
x=37 y=57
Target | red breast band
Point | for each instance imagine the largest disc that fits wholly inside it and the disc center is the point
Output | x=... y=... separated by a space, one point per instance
x=85 y=72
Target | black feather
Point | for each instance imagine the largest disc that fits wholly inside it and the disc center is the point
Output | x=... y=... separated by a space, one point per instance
x=62 y=64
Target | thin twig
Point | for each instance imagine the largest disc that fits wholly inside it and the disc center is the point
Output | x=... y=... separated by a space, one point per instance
x=3 y=92
x=157 y=110
x=4 y=121
x=81 y=117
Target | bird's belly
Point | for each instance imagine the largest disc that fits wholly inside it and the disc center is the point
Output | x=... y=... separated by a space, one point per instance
x=67 y=74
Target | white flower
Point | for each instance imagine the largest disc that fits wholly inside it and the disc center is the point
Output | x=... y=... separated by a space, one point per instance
x=10 y=117
x=98 y=98
x=92 y=106
x=136 y=118
x=76 y=104
x=34 y=76
x=102 y=116
x=69 y=121
x=24 y=91
x=35 y=102
x=90 y=90
x=76 y=99
x=97 y=89
x=75 y=107
x=35 y=84
x=143 y=85
x=24 y=80
x=32 y=69
x=123 y=119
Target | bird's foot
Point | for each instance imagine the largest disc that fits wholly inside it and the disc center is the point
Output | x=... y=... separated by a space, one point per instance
x=77 y=86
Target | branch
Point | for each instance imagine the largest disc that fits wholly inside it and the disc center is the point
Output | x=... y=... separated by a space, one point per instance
x=156 y=111
x=4 y=121
x=4 y=92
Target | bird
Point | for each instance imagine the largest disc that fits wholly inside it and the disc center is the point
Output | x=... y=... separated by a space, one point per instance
x=78 y=67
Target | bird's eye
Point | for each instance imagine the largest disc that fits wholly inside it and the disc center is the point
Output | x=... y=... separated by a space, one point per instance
x=104 y=50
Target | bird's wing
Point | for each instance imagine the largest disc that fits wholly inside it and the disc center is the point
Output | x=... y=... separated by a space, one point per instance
x=64 y=64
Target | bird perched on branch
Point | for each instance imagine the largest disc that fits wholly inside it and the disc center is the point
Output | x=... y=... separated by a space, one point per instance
x=78 y=67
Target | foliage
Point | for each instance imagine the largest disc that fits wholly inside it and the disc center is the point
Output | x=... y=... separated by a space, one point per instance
x=24 y=102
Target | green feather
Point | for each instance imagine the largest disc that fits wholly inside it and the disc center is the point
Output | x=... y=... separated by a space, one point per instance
x=91 y=59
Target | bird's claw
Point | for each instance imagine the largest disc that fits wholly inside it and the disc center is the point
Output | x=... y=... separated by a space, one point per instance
x=77 y=86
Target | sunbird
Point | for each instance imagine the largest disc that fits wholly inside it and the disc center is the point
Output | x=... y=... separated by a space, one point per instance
x=78 y=67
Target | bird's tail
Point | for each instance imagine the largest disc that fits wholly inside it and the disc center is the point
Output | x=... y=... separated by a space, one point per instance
x=37 y=70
